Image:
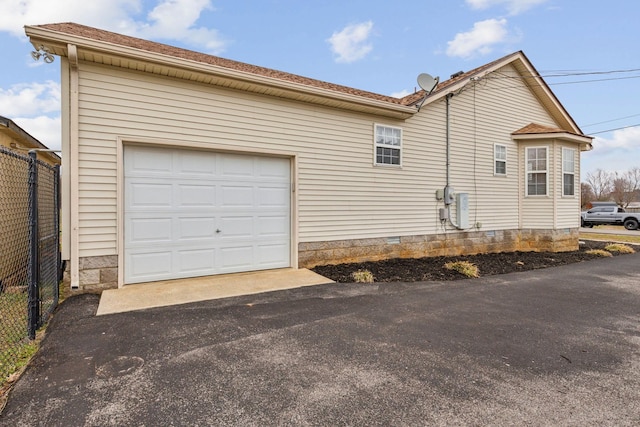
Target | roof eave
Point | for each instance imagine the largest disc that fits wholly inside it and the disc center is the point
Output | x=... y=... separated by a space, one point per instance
x=534 y=81
x=582 y=140
x=57 y=43
x=27 y=139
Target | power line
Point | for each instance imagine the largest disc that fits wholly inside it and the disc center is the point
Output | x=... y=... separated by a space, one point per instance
x=611 y=130
x=594 y=80
x=570 y=74
x=609 y=121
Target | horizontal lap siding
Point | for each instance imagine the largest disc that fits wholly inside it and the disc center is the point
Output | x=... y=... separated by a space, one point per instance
x=484 y=113
x=568 y=208
x=341 y=195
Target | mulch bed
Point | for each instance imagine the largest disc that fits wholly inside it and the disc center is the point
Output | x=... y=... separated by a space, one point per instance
x=432 y=268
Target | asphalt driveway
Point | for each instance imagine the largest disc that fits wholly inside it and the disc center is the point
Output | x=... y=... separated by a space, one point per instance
x=559 y=346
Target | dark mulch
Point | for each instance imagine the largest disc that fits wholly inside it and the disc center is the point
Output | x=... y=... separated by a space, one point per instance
x=432 y=268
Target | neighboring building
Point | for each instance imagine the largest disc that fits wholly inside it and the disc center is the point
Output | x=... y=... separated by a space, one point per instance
x=14 y=201
x=16 y=139
x=179 y=164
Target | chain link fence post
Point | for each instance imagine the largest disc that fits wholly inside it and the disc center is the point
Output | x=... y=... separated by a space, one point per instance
x=34 y=270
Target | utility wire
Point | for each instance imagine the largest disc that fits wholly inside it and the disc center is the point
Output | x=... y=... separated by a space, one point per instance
x=611 y=130
x=609 y=121
x=582 y=73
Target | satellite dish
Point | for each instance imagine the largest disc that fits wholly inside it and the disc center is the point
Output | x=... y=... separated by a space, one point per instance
x=427 y=82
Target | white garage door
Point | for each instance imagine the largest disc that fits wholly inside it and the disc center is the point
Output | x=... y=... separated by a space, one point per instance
x=193 y=213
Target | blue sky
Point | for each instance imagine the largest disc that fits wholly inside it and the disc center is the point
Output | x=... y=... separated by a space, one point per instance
x=584 y=48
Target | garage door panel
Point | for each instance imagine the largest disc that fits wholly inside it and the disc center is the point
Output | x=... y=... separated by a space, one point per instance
x=191 y=213
x=273 y=197
x=196 y=164
x=237 y=196
x=238 y=258
x=271 y=254
x=233 y=227
x=148 y=195
x=150 y=230
x=234 y=166
x=274 y=168
x=145 y=162
x=150 y=265
x=199 y=260
x=196 y=195
x=192 y=228
x=272 y=226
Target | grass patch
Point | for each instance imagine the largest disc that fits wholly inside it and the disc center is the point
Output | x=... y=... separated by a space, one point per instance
x=463 y=267
x=619 y=248
x=608 y=237
x=362 y=276
x=599 y=252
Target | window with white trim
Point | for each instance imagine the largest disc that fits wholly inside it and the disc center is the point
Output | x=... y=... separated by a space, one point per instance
x=500 y=159
x=388 y=145
x=568 y=171
x=537 y=173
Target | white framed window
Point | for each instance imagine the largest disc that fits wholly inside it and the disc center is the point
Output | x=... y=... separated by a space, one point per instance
x=387 y=145
x=568 y=171
x=499 y=159
x=536 y=159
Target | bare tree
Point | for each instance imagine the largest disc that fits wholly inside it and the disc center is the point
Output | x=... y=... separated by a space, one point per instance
x=601 y=184
x=625 y=186
x=586 y=194
x=619 y=190
x=633 y=176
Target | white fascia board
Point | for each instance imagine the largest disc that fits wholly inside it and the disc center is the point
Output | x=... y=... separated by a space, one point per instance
x=40 y=36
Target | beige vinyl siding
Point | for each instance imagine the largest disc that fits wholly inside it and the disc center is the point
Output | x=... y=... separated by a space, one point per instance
x=568 y=207
x=341 y=195
x=484 y=113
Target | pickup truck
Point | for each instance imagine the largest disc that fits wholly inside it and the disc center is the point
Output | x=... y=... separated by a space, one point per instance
x=609 y=215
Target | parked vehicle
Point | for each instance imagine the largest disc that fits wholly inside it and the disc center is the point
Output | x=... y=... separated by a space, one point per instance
x=609 y=215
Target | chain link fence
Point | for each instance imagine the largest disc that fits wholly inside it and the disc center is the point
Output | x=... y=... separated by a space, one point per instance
x=29 y=252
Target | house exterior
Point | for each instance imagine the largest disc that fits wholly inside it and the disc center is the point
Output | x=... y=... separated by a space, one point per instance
x=179 y=164
x=16 y=139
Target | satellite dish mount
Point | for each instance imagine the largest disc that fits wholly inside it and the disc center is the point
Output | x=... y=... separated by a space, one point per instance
x=428 y=84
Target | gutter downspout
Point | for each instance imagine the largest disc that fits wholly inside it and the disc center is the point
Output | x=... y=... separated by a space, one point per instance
x=74 y=191
x=448 y=144
x=447 y=188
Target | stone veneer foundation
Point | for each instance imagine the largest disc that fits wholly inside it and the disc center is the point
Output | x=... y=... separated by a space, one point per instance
x=101 y=272
x=447 y=244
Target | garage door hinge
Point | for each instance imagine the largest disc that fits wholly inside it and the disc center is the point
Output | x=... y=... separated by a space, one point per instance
x=293 y=187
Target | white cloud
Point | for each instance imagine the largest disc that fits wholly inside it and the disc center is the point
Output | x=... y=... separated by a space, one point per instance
x=107 y=14
x=479 y=40
x=514 y=7
x=628 y=138
x=169 y=20
x=401 y=94
x=28 y=99
x=35 y=107
x=618 y=153
x=175 y=19
x=45 y=129
x=352 y=43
